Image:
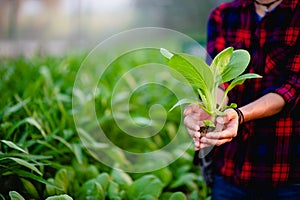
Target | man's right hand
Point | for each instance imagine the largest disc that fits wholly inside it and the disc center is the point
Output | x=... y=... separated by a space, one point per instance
x=193 y=120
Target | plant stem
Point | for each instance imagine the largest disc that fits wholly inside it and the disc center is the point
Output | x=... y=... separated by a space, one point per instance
x=222 y=101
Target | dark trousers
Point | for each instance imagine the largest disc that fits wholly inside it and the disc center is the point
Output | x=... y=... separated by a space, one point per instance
x=223 y=190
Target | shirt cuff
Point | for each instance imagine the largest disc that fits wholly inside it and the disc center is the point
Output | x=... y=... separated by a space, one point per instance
x=289 y=94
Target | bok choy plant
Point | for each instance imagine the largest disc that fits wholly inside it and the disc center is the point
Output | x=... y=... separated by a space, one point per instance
x=227 y=66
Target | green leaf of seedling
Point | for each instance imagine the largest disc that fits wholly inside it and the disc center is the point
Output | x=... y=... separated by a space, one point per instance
x=208 y=123
x=221 y=61
x=219 y=113
x=240 y=80
x=206 y=99
x=182 y=102
x=238 y=63
x=206 y=110
x=232 y=105
x=194 y=70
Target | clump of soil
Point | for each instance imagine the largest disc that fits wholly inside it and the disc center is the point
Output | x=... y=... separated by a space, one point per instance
x=206 y=129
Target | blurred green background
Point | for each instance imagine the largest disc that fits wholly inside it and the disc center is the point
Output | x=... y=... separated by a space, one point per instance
x=42 y=46
x=59 y=26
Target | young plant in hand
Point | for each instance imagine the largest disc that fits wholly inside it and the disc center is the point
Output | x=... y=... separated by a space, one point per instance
x=227 y=66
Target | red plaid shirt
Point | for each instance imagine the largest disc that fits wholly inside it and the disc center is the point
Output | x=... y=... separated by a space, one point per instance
x=266 y=152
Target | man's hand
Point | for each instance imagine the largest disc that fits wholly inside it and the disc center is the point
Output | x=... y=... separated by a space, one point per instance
x=228 y=126
x=193 y=120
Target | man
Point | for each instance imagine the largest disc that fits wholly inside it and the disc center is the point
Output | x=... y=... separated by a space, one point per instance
x=258 y=156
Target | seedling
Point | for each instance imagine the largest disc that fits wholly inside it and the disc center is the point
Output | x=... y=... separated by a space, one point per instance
x=227 y=66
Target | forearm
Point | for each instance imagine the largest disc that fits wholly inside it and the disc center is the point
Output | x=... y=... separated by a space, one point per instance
x=268 y=105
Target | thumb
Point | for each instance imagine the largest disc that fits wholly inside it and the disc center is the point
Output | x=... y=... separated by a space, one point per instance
x=229 y=115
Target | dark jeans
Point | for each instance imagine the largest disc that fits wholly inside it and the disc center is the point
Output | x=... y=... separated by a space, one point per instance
x=223 y=190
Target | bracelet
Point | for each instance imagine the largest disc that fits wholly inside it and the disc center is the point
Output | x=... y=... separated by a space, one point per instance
x=241 y=117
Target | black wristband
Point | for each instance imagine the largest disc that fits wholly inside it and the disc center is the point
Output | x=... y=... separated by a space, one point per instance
x=241 y=117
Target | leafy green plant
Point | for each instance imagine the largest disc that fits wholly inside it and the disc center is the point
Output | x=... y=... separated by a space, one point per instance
x=227 y=66
x=146 y=187
x=41 y=155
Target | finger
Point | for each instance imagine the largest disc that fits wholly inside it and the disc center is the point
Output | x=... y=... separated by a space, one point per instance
x=203 y=145
x=219 y=127
x=194 y=116
x=196 y=143
x=195 y=120
x=191 y=109
x=192 y=124
x=194 y=134
x=229 y=132
x=230 y=114
x=198 y=117
x=213 y=142
x=195 y=109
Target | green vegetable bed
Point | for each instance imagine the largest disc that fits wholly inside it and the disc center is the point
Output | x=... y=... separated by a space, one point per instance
x=42 y=156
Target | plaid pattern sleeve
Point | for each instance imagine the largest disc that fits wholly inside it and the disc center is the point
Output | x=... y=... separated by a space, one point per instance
x=266 y=152
x=291 y=87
